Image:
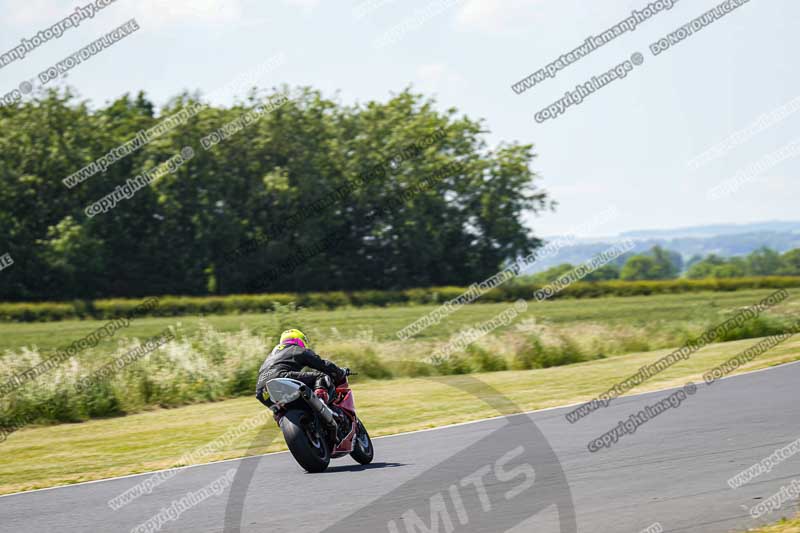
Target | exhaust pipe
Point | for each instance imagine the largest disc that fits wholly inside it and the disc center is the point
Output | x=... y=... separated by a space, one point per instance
x=320 y=407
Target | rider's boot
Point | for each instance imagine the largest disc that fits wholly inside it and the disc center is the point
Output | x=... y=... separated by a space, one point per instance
x=322 y=394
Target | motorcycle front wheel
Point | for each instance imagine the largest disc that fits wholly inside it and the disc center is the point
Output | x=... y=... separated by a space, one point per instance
x=308 y=447
x=363 y=452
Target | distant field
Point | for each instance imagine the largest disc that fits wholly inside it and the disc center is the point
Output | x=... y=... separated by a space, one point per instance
x=237 y=304
x=649 y=314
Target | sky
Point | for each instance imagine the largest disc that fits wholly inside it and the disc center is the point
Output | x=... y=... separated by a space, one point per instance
x=629 y=149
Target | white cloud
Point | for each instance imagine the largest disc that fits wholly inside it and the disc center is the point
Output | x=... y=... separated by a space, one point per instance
x=436 y=77
x=307 y=5
x=34 y=13
x=582 y=188
x=499 y=15
x=166 y=12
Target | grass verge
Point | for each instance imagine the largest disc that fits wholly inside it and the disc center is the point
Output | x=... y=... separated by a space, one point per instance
x=786 y=525
x=40 y=457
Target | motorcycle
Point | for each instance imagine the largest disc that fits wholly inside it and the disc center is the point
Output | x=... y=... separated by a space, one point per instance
x=315 y=432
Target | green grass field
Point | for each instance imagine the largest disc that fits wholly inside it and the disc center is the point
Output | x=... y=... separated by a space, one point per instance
x=690 y=311
x=38 y=457
x=217 y=357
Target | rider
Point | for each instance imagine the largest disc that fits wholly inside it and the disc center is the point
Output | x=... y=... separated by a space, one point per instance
x=288 y=359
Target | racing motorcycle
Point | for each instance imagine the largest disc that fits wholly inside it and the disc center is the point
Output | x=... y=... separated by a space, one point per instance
x=315 y=432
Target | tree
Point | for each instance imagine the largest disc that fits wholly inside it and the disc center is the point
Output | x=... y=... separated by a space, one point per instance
x=551 y=274
x=604 y=273
x=693 y=260
x=640 y=267
x=705 y=267
x=736 y=267
x=790 y=263
x=657 y=263
x=415 y=197
x=764 y=262
x=668 y=264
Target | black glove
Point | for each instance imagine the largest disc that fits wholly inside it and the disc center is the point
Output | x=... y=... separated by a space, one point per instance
x=344 y=374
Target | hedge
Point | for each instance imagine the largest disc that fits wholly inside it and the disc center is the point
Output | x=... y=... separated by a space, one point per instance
x=262 y=303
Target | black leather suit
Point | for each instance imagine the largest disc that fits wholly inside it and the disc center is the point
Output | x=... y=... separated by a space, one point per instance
x=288 y=361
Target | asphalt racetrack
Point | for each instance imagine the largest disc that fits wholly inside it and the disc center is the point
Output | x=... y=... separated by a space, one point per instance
x=529 y=472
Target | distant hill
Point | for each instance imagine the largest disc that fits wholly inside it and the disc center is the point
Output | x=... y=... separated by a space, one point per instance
x=716 y=230
x=723 y=239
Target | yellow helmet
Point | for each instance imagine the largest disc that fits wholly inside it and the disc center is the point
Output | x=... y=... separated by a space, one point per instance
x=294 y=335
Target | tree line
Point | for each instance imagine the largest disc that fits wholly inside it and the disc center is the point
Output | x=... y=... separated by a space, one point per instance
x=183 y=233
x=659 y=263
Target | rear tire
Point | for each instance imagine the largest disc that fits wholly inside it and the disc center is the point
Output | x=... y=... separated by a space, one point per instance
x=363 y=452
x=310 y=451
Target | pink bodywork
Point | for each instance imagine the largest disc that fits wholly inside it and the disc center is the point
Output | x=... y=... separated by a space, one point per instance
x=345 y=401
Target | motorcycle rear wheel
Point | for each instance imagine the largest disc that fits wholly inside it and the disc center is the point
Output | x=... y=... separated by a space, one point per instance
x=309 y=449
